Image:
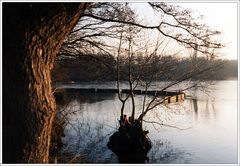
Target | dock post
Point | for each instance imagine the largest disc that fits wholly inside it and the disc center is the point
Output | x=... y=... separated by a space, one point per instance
x=169 y=99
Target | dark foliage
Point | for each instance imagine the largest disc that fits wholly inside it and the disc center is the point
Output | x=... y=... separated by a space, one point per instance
x=102 y=68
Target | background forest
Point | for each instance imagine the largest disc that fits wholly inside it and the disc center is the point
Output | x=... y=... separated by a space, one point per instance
x=101 y=67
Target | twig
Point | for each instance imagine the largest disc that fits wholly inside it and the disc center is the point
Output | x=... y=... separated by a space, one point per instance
x=166 y=125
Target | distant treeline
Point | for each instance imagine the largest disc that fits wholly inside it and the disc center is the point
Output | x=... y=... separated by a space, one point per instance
x=103 y=68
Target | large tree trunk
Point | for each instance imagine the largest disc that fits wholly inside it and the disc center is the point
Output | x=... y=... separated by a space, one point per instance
x=32 y=36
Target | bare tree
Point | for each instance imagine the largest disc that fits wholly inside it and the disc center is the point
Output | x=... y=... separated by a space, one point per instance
x=118 y=83
x=155 y=67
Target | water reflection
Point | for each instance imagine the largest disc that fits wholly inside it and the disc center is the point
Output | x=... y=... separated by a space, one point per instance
x=86 y=140
x=195 y=106
x=164 y=152
x=64 y=96
x=203 y=110
x=94 y=119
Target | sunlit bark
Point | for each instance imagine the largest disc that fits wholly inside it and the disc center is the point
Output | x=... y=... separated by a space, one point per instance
x=32 y=36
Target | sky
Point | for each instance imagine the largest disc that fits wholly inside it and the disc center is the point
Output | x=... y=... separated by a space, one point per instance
x=220 y=16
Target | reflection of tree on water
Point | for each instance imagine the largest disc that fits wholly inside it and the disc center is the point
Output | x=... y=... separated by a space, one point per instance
x=163 y=152
x=85 y=141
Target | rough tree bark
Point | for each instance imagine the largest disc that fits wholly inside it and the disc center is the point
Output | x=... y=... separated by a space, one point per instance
x=32 y=36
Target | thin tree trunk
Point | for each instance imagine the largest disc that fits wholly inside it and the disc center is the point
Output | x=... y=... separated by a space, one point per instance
x=32 y=36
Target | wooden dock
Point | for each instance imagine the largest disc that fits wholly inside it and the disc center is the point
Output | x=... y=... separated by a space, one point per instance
x=170 y=97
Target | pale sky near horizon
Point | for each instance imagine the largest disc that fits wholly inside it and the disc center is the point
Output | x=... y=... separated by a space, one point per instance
x=220 y=16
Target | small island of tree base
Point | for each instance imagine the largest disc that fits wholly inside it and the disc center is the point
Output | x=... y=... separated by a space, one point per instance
x=130 y=143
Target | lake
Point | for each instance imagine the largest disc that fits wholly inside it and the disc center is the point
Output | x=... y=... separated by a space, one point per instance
x=200 y=130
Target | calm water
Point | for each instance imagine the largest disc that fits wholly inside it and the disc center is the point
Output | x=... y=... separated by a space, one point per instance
x=205 y=129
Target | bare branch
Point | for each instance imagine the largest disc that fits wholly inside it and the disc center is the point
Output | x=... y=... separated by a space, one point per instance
x=166 y=125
